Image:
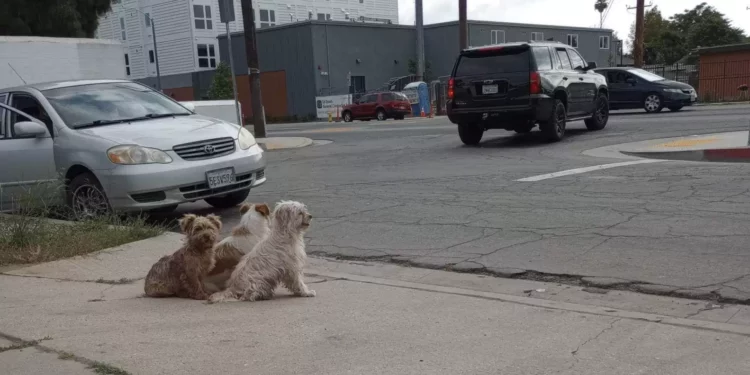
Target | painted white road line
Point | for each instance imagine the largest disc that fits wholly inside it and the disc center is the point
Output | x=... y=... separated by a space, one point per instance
x=586 y=169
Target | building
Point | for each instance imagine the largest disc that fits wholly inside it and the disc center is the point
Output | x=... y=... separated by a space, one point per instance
x=187 y=30
x=724 y=70
x=303 y=62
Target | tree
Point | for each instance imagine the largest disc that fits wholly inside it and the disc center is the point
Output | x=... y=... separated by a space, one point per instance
x=427 y=69
x=52 y=18
x=221 y=86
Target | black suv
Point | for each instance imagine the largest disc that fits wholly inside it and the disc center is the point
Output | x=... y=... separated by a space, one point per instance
x=514 y=86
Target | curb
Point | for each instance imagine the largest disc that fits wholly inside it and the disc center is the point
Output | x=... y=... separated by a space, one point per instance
x=721 y=155
x=281 y=143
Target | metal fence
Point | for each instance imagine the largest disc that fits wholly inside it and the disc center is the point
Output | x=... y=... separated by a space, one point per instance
x=722 y=81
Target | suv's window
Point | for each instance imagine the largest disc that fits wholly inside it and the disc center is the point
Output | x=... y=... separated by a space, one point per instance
x=542 y=57
x=576 y=60
x=387 y=97
x=2 y=116
x=564 y=58
x=502 y=61
x=372 y=98
x=31 y=106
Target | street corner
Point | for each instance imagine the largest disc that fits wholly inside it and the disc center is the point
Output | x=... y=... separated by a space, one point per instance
x=282 y=143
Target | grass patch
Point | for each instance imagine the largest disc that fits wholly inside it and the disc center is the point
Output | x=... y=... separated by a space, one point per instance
x=65 y=356
x=23 y=344
x=32 y=239
x=107 y=369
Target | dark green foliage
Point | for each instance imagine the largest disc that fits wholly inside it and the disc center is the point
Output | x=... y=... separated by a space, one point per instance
x=52 y=18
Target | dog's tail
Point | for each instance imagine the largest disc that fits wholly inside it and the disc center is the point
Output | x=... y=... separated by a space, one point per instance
x=223 y=296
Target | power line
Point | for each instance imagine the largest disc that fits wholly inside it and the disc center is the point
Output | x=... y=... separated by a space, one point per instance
x=606 y=13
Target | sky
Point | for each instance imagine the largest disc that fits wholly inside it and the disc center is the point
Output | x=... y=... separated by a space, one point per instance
x=564 y=12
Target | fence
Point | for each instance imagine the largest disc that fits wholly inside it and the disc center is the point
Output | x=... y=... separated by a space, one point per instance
x=722 y=81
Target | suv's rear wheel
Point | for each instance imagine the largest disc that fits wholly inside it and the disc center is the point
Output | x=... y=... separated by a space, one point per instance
x=600 y=116
x=554 y=127
x=348 y=116
x=381 y=116
x=470 y=133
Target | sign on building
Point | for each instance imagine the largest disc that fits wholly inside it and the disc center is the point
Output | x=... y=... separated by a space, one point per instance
x=325 y=104
x=226 y=11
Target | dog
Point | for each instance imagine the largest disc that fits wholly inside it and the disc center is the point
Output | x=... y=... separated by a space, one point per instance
x=277 y=259
x=181 y=274
x=253 y=227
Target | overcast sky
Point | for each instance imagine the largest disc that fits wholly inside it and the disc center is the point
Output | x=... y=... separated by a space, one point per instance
x=564 y=12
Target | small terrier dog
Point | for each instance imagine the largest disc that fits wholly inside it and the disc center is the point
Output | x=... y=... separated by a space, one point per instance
x=181 y=274
x=253 y=227
x=278 y=258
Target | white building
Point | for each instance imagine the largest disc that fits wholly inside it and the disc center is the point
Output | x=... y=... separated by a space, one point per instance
x=187 y=29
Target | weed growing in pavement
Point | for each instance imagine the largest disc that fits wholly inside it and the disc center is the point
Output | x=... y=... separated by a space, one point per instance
x=107 y=369
x=23 y=344
x=28 y=236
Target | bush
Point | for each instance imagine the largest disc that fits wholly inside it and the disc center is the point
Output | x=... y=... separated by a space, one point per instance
x=221 y=86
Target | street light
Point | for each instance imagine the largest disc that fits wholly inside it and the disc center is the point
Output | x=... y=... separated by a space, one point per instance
x=153 y=38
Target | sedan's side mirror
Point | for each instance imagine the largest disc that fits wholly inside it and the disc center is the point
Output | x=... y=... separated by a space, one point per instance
x=189 y=106
x=591 y=65
x=29 y=129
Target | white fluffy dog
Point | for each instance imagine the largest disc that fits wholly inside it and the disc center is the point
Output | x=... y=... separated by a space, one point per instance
x=278 y=258
x=253 y=227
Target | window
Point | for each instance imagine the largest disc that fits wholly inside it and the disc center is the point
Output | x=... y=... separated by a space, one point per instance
x=604 y=42
x=357 y=84
x=267 y=18
x=206 y=56
x=503 y=61
x=147 y=19
x=576 y=61
x=29 y=105
x=573 y=40
x=127 y=64
x=388 y=97
x=497 y=36
x=537 y=36
x=122 y=29
x=2 y=116
x=324 y=17
x=564 y=59
x=203 y=20
x=151 y=57
x=542 y=57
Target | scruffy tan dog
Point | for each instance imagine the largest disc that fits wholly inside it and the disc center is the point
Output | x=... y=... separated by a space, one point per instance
x=278 y=258
x=253 y=227
x=181 y=274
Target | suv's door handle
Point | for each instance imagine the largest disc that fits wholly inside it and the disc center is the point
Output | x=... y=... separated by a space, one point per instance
x=565 y=78
x=580 y=79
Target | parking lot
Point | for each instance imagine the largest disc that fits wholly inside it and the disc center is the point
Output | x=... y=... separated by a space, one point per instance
x=409 y=191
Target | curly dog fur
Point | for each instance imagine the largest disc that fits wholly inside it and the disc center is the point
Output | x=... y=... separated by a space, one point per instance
x=253 y=227
x=277 y=259
x=181 y=274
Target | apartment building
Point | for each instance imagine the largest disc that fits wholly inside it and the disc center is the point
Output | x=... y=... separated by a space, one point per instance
x=187 y=30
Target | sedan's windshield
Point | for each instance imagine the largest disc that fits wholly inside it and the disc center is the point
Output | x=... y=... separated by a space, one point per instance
x=110 y=103
x=648 y=76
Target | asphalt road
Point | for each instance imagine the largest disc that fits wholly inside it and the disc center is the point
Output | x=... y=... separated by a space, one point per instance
x=409 y=191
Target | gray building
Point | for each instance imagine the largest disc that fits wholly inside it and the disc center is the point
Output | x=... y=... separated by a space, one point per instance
x=321 y=58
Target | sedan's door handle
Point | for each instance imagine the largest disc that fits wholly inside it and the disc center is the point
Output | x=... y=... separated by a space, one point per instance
x=565 y=78
x=580 y=79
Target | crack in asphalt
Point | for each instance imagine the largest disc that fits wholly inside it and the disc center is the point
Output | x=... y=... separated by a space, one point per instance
x=611 y=326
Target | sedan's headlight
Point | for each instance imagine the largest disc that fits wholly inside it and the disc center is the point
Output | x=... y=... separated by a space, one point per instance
x=674 y=90
x=132 y=154
x=246 y=139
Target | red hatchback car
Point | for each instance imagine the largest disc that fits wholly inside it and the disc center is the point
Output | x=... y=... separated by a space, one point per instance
x=380 y=106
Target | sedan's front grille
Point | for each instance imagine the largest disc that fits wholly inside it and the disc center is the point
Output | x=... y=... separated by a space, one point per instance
x=207 y=149
x=201 y=189
x=154 y=196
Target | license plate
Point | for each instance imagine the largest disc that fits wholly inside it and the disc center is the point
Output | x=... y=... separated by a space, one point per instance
x=489 y=89
x=220 y=178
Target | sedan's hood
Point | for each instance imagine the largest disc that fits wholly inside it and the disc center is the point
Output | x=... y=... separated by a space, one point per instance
x=675 y=85
x=164 y=133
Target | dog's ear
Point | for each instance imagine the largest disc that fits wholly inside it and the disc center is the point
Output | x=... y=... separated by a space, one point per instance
x=215 y=220
x=263 y=209
x=186 y=223
x=244 y=208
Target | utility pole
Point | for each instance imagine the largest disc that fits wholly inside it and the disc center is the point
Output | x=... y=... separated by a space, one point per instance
x=251 y=51
x=463 y=29
x=420 y=40
x=640 y=9
x=226 y=15
x=156 y=53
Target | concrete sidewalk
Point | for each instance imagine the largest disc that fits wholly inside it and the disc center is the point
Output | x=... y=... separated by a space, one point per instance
x=367 y=318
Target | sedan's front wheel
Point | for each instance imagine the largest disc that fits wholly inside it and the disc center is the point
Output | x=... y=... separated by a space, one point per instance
x=87 y=198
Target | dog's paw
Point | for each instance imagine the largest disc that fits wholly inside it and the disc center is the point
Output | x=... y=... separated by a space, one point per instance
x=310 y=293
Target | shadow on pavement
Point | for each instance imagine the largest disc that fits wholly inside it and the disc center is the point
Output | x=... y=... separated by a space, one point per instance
x=533 y=139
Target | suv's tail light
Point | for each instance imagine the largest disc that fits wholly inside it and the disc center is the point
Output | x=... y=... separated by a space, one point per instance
x=535 y=83
x=451 y=84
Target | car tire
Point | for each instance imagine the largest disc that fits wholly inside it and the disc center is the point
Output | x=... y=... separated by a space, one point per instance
x=653 y=103
x=86 y=197
x=675 y=108
x=470 y=134
x=600 y=116
x=554 y=127
x=380 y=115
x=229 y=200
x=348 y=116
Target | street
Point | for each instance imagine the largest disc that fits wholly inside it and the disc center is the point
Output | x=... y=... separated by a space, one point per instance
x=409 y=192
